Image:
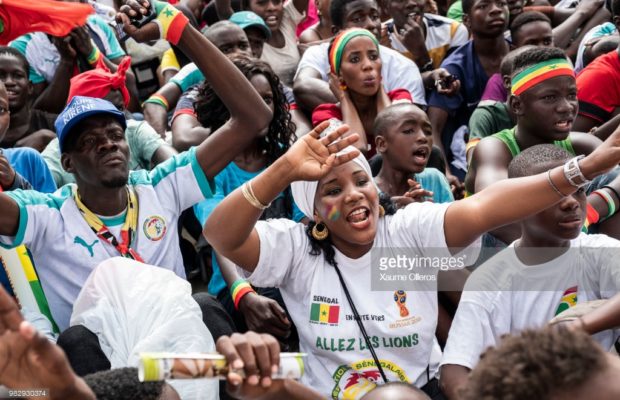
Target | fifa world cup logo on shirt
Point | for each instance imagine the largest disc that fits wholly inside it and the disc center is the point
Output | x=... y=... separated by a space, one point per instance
x=400 y=297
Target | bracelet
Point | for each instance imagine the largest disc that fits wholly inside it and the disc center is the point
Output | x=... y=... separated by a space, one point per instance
x=248 y=193
x=240 y=288
x=159 y=100
x=614 y=191
x=611 y=206
x=94 y=56
x=171 y=21
x=573 y=173
x=562 y=195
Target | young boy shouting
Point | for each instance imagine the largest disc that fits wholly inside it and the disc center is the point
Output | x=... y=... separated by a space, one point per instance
x=403 y=136
x=550 y=268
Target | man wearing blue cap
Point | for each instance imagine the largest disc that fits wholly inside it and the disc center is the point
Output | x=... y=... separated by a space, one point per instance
x=111 y=211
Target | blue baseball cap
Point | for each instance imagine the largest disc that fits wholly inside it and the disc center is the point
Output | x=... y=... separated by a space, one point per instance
x=81 y=107
x=246 y=19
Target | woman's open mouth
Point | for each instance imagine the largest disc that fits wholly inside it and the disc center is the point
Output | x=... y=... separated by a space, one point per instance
x=359 y=218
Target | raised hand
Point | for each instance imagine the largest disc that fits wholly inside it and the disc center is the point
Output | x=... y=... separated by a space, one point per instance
x=134 y=9
x=29 y=360
x=313 y=156
x=63 y=45
x=81 y=41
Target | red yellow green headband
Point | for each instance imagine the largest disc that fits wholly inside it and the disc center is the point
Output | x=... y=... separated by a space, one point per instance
x=540 y=72
x=340 y=42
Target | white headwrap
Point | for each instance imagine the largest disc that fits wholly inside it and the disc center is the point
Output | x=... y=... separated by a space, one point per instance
x=304 y=191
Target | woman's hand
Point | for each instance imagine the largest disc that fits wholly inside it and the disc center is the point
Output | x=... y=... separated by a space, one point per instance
x=337 y=87
x=313 y=156
x=383 y=100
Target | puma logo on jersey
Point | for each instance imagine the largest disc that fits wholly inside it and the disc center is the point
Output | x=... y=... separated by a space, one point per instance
x=89 y=247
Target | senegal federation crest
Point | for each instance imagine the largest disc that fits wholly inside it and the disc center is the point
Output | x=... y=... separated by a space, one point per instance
x=154 y=228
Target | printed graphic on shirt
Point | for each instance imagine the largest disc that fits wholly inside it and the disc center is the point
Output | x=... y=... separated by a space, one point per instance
x=400 y=298
x=89 y=247
x=358 y=378
x=324 y=310
x=154 y=228
x=335 y=344
x=569 y=299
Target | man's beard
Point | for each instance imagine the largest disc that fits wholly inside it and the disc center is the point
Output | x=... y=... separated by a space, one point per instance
x=115 y=182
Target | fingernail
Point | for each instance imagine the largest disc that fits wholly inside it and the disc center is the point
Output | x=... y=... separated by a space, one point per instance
x=238 y=364
x=266 y=382
x=132 y=12
x=253 y=380
x=274 y=369
x=236 y=381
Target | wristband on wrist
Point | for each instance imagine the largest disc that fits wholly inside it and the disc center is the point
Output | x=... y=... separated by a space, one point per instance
x=611 y=206
x=94 y=56
x=240 y=288
x=171 y=21
x=573 y=173
x=159 y=100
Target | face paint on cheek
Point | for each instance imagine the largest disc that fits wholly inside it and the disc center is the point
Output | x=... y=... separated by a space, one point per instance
x=332 y=212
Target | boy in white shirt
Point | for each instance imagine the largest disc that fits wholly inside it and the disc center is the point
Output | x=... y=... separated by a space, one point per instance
x=550 y=268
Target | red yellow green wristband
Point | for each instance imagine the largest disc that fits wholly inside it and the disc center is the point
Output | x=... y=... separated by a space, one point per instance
x=94 y=56
x=240 y=288
x=159 y=100
x=171 y=21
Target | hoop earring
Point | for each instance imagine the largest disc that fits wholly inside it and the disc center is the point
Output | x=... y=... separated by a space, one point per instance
x=320 y=233
x=381 y=211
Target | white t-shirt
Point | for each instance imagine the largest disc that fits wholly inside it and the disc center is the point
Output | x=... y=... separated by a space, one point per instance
x=284 y=60
x=398 y=71
x=506 y=296
x=402 y=331
x=65 y=249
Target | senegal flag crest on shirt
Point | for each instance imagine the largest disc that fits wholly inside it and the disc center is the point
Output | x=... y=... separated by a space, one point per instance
x=569 y=299
x=322 y=313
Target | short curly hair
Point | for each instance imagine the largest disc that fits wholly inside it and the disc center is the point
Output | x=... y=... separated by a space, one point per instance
x=123 y=384
x=535 y=364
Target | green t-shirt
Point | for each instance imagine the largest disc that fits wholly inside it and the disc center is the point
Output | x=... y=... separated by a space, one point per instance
x=488 y=118
x=143 y=142
x=456 y=11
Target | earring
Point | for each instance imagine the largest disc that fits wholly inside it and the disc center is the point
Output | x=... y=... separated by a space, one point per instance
x=343 y=87
x=320 y=233
x=381 y=211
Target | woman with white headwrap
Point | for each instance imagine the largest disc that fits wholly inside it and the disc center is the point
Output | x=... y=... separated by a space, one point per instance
x=357 y=338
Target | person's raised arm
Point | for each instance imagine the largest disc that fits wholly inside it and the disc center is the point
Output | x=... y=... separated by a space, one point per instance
x=54 y=96
x=310 y=90
x=310 y=158
x=467 y=219
x=249 y=113
x=156 y=107
x=187 y=132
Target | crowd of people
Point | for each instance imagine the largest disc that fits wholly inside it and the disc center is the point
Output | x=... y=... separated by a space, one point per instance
x=418 y=195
